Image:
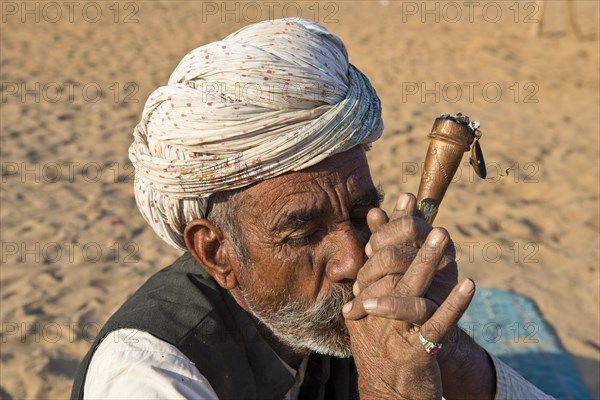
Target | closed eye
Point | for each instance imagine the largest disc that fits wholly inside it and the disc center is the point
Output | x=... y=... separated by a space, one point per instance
x=304 y=239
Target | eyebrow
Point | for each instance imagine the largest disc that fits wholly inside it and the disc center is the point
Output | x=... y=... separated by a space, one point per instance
x=297 y=219
x=372 y=197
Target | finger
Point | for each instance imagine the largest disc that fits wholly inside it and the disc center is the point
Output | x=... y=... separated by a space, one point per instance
x=414 y=310
x=383 y=287
x=406 y=205
x=388 y=260
x=409 y=230
x=396 y=259
x=419 y=275
x=375 y=218
x=388 y=285
x=353 y=311
x=444 y=319
x=444 y=281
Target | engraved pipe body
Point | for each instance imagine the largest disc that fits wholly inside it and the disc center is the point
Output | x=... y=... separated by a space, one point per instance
x=449 y=141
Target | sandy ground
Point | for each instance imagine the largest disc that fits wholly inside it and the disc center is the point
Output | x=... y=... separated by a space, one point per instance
x=74 y=246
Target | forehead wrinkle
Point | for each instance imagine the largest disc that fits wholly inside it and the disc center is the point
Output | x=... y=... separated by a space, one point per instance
x=271 y=200
x=340 y=192
x=321 y=191
x=336 y=178
x=282 y=198
x=299 y=205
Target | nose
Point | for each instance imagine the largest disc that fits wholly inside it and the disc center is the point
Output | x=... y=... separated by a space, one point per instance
x=347 y=255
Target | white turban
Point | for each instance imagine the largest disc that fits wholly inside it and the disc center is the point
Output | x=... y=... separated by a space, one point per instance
x=273 y=97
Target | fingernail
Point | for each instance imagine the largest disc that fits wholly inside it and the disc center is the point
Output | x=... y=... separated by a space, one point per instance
x=347 y=307
x=436 y=237
x=402 y=202
x=370 y=304
x=466 y=286
x=355 y=289
x=368 y=250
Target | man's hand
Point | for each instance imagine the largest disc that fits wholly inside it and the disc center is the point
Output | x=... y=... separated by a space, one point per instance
x=392 y=248
x=401 y=282
x=390 y=359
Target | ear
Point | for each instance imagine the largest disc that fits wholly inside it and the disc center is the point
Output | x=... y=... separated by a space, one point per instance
x=213 y=251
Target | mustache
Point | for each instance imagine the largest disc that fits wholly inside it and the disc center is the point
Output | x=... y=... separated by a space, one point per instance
x=316 y=325
x=328 y=309
x=288 y=313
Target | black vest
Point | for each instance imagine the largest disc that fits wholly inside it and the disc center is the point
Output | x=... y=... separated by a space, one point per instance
x=185 y=307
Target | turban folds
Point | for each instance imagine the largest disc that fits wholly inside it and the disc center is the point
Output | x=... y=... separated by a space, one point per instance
x=273 y=97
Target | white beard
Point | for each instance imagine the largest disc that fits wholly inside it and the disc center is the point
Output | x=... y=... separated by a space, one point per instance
x=318 y=327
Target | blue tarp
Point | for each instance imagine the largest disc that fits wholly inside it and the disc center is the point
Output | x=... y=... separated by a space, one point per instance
x=510 y=327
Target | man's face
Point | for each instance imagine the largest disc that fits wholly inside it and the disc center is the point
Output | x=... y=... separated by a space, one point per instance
x=305 y=233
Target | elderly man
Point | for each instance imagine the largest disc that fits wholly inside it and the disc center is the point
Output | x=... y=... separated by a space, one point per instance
x=294 y=283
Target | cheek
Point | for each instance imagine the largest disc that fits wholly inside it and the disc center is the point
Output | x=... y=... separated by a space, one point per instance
x=300 y=271
x=270 y=269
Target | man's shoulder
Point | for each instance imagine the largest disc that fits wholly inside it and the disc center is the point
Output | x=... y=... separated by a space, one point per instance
x=185 y=273
x=133 y=362
x=126 y=341
x=169 y=303
x=185 y=308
